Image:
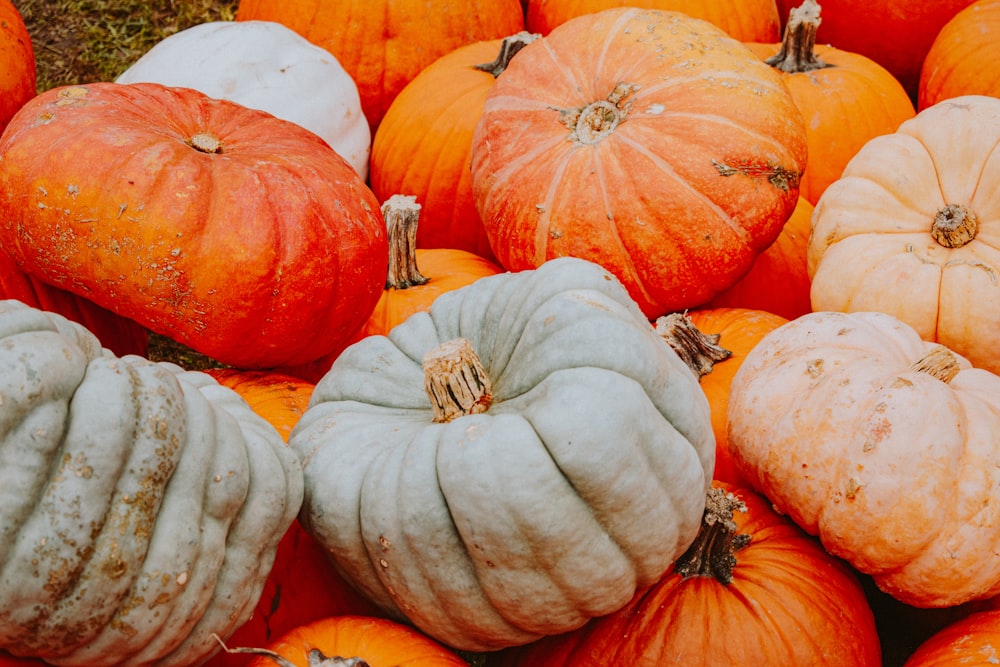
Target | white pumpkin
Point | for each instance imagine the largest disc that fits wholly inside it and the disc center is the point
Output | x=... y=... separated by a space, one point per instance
x=264 y=65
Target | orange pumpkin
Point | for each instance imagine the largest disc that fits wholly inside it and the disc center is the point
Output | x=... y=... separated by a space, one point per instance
x=668 y=154
x=973 y=640
x=845 y=98
x=964 y=58
x=17 y=63
x=424 y=143
x=127 y=194
x=912 y=229
x=753 y=589
x=377 y=641
x=896 y=34
x=778 y=281
x=745 y=20
x=713 y=342
x=383 y=44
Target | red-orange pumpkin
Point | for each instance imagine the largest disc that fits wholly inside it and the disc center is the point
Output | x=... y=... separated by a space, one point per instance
x=778 y=282
x=973 y=640
x=845 y=98
x=894 y=33
x=752 y=590
x=383 y=44
x=424 y=143
x=242 y=236
x=668 y=153
x=745 y=20
x=377 y=641
x=17 y=63
x=964 y=58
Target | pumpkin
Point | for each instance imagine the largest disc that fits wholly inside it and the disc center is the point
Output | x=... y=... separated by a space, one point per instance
x=713 y=342
x=845 y=98
x=415 y=278
x=669 y=154
x=521 y=457
x=302 y=585
x=880 y=443
x=896 y=34
x=753 y=589
x=963 y=57
x=119 y=334
x=424 y=142
x=747 y=21
x=17 y=63
x=384 y=44
x=972 y=640
x=142 y=504
x=264 y=65
x=778 y=280
x=219 y=226
x=911 y=229
x=344 y=640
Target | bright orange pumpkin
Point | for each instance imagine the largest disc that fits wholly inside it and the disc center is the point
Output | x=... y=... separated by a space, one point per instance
x=17 y=63
x=894 y=33
x=778 y=282
x=845 y=98
x=668 y=153
x=964 y=58
x=383 y=44
x=424 y=143
x=378 y=641
x=973 y=640
x=128 y=194
x=752 y=590
x=745 y=20
x=714 y=342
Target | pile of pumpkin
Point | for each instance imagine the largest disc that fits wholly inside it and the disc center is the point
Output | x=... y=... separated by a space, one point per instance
x=549 y=333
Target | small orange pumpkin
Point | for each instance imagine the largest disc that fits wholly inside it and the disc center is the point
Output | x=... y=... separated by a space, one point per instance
x=17 y=63
x=964 y=58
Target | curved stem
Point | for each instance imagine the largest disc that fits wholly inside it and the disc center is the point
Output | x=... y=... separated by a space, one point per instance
x=712 y=554
x=508 y=49
x=700 y=351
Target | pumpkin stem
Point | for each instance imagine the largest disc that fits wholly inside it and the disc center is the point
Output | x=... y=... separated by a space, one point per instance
x=954 y=226
x=456 y=381
x=402 y=213
x=799 y=41
x=315 y=657
x=508 y=49
x=700 y=351
x=712 y=552
x=939 y=362
x=205 y=142
x=591 y=123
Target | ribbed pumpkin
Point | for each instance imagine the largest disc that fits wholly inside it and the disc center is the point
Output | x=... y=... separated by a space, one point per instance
x=17 y=63
x=383 y=44
x=896 y=34
x=778 y=282
x=424 y=143
x=668 y=153
x=845 y=98
x=240 y=235
x=964 y=58
x=713 y=342
x=880 y=443
x=745 y=20
x=912 y=229
x=752 y=590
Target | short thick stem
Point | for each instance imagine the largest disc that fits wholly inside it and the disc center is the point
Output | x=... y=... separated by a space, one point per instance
x=712 y=554
x=509 y=47
x=954 y=226
x=798 y=44
x=940 y=363
x=700 y=351
x=205 y=143
x=401 y=214
x=455 y=381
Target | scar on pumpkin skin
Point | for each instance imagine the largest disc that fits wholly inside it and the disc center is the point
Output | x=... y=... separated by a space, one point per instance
x=778 y=176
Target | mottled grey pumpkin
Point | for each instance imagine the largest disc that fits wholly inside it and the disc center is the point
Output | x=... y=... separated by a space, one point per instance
x=562 y=465
x=140 y=504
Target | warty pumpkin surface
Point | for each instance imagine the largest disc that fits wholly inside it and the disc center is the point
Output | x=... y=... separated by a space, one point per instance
x=912 y=229
x=240 y=235
x=140 y=504
x=881 y=444
x=646 y=141
x=573 y=474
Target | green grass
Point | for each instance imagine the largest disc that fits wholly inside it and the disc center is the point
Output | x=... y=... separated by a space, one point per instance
x=82 y=41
